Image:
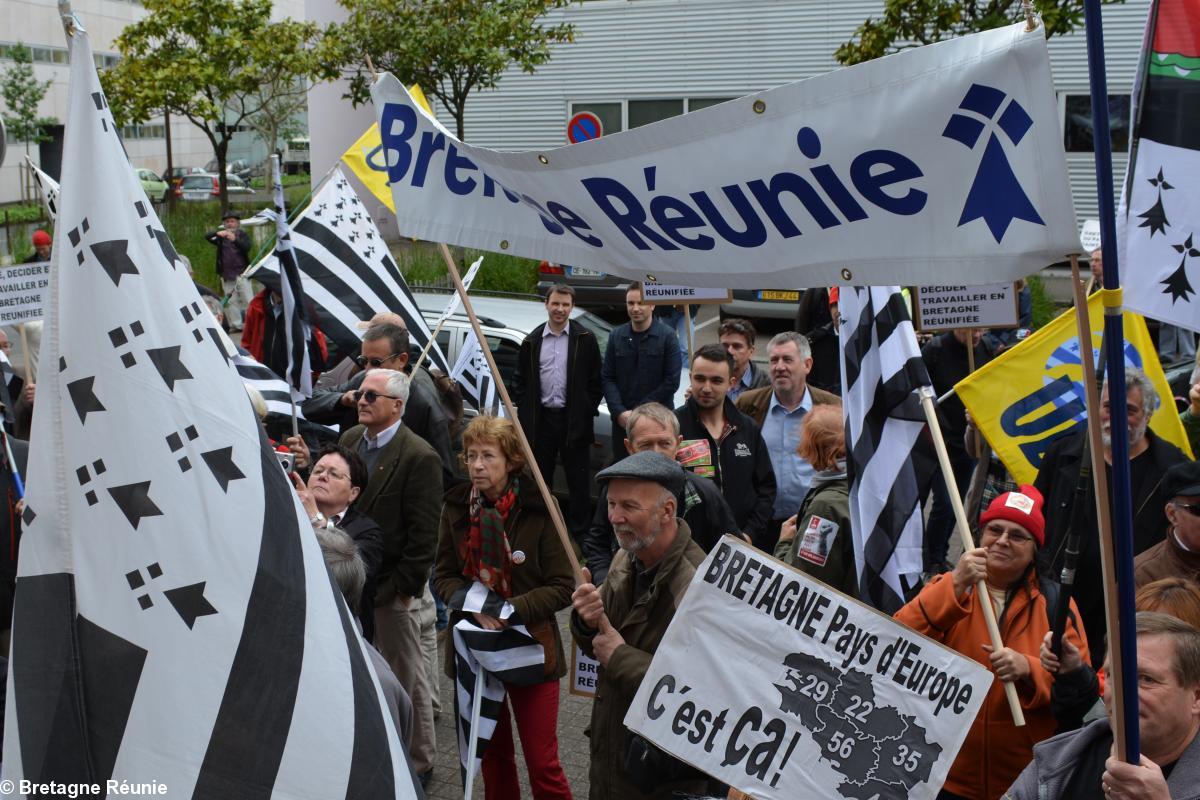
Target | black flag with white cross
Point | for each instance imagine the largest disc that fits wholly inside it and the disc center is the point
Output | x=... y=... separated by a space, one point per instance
x=174 y=619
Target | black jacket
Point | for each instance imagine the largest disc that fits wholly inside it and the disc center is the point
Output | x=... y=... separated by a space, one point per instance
x=422 y=414
x=743 y=466
x=1057 y=479
x=702 y=507
x=946 y=359
x=584 y=391
x=367 y=534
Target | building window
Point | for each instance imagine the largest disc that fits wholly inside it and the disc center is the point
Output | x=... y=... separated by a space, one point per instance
x=609 y=114
x=1077 y=123
x=132 y=132
x=620 y=115
x=697 y=103
x=644 y=112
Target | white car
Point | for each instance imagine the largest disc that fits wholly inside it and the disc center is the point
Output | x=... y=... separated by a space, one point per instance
x=506 y=321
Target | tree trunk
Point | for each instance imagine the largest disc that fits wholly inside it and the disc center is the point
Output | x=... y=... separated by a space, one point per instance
x=170 y=158
x=223 y=179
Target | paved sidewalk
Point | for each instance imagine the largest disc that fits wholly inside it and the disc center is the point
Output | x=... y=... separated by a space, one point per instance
x=573 y=716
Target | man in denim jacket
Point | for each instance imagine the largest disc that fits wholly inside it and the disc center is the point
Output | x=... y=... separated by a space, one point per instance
x=641 y=365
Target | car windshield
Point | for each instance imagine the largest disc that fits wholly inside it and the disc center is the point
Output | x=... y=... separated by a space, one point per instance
x=599 y=328
x=197 y=182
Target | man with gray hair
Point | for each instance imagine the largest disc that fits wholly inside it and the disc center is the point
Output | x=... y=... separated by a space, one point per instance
x=1149 y=459
x=404 y=496
x=779 y=411
x=1079 y=763
x=622 y=622
x=654 y=427
x=350 y=574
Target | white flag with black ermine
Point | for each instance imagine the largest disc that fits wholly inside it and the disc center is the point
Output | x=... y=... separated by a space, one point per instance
x=47 y=186
x=174 y=620
x=475 y=378
x=349 y=273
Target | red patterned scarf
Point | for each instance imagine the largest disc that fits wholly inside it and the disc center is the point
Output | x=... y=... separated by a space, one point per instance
x=485 y=553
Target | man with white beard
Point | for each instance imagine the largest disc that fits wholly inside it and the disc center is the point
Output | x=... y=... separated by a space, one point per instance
x=1149 y=458
x=621 y=623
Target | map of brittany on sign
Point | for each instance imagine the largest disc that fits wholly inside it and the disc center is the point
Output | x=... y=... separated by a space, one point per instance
x=880 y=752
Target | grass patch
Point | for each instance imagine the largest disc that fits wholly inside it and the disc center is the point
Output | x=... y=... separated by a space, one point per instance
x=23 y=212
x=421 y=263
x=287 y=180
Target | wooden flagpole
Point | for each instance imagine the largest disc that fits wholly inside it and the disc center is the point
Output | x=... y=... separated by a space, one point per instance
x=429 y=344
x=1108 y=558
x=964 y=532
x=555 y=513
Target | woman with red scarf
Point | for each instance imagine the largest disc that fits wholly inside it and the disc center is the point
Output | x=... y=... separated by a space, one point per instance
x=496 y=531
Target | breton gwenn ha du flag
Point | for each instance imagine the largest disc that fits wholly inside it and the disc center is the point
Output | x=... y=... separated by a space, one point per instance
x=297 y=326
x=1158 y=223
x=349 y=274
x=47 y=186
x=882 y=372
x=475 y=378
x=174 y=620
x=510 y=655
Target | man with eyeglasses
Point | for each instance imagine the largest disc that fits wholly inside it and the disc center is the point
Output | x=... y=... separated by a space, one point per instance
x=1178 y=555
x=1149 y=459
x=385 y=345
x=404 y=495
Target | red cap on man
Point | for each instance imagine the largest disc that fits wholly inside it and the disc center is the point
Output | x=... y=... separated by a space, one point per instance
x=1023 y=507
x=41 y=239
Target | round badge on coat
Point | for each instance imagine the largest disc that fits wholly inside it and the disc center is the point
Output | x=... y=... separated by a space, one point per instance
x=518 y=557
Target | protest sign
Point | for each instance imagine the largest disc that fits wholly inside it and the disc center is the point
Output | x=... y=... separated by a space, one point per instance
x=584 y=672
x=826 y=698
x=661 y=294
x=22 y=292
x=942 y=308
x=939 y=160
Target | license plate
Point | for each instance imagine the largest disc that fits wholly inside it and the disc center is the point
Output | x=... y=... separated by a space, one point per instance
x=583 y=272
x=770 y=294
x=195 y=195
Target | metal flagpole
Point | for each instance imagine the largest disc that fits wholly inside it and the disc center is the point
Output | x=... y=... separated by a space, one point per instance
x=555 y=513
x=1122 y=638
x=964 y=532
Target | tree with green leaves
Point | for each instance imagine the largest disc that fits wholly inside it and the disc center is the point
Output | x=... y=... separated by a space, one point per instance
x=912 y=23
x=450 y=48
x=22 y=94
x=210 y=62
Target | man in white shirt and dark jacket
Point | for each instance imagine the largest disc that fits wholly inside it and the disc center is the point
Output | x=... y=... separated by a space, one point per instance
x=725 y=445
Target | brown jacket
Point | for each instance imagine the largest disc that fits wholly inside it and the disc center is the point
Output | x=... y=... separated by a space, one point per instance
x=642 y=622
x=1165 y=560
x=541 y=584
x=402 y=495
x=755 y=402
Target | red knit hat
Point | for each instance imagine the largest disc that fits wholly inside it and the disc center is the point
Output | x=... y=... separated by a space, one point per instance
x=41 y=239
x=1023 y=507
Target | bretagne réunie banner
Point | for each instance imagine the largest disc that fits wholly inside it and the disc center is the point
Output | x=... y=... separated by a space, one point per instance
x=939 y=161
x=782 y=687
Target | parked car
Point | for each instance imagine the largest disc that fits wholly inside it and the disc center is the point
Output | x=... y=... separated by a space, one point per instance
x=506 y=320
x=154 y=187
x=207 y=186
x=176 y=174
x=239 y=167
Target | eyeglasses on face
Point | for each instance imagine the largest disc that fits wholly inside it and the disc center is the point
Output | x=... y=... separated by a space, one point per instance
x=1191 y=508
x=996 y=533
x=371 y=396
x=373 y=363
x=336 y=474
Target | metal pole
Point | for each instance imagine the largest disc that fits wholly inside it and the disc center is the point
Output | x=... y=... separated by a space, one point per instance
x=1120 y=637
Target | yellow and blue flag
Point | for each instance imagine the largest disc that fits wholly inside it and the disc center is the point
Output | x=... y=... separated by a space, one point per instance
x=1033 y=394
x=365 y=156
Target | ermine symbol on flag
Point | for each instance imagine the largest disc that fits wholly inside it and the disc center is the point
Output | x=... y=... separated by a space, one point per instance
x=1156 y=217
x=996 y=195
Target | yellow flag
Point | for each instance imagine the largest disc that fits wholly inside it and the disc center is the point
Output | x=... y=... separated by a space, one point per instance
x=365 y=157
x=1032 y=394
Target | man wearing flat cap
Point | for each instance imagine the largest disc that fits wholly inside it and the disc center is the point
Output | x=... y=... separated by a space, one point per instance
x=621 y=623
x=1178 y=555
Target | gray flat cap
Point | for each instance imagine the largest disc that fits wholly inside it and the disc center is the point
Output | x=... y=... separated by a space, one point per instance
x=646 y=466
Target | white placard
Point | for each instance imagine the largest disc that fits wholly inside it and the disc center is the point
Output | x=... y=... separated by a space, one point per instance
x=942 y=308
x=937 y=161
x=781 y=687
x=584 y=672
x=1089 y=235
x=22 y=292
x=661 y=294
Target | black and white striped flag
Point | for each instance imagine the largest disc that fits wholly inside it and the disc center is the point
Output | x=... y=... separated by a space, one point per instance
x=274 y=389
x=882 y=372
x=349 y=273
x=47 y=186
x=510 y=655
x=174 y=620
x=297 y=325
x=6 y=376
x=475 y=378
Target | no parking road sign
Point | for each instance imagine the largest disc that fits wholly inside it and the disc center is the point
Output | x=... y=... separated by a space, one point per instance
x=584 y=126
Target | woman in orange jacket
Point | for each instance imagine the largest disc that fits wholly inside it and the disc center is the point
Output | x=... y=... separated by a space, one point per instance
x=950 y=610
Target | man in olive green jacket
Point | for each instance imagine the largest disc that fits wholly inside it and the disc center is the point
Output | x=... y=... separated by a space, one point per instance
x=622 y=622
